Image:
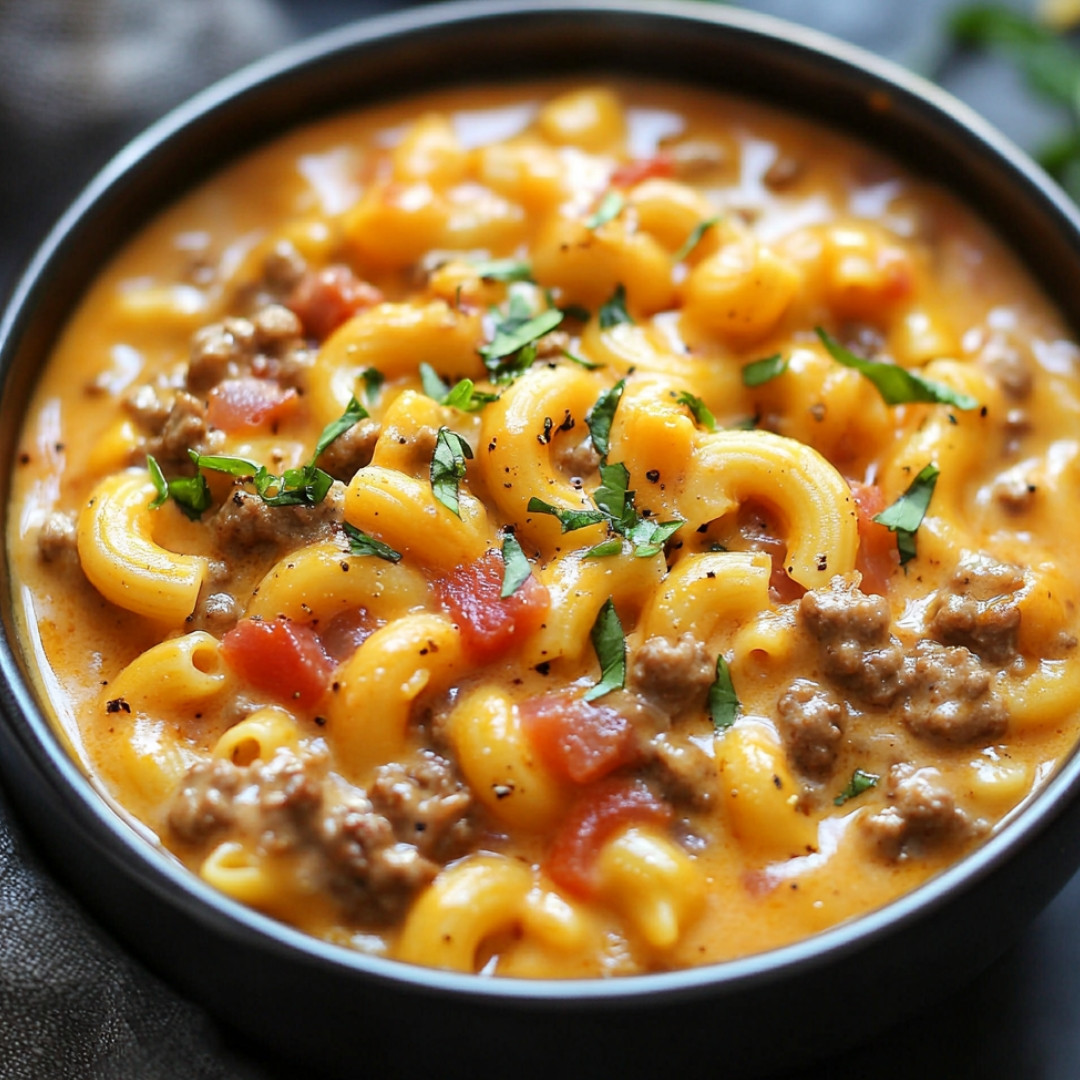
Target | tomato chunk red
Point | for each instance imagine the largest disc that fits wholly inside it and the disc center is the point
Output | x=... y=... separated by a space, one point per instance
x=491 y=624
x=248 y=403
x=578 y=740
x=878 y=555
x=280 y=657
x=634 y=172
x=603 y=810
x=322 y=300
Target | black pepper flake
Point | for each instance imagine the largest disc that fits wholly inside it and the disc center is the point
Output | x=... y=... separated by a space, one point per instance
x=543 y=668
x=823 y=562
x=117 y=705
x=568 y=422
x=544 y=438
x=653 y=475
x=24 y=458
x=320 y=721
x=777 y=782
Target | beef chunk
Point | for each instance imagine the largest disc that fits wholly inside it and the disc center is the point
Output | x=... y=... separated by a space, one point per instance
x=979 y=608
x=373 y=872
x=949 y=696
x=372 y=851
x=921 y=815
x=811 y=724
x=852 y=630
x=57 y=539
x=683 y=771
x=220 y=351
x=350 y=451
x=674 y=674
x=576 y=459
x=425 y=803
x=204 y=803
x=269 y=345
x=1010 y=363
x=244 y=521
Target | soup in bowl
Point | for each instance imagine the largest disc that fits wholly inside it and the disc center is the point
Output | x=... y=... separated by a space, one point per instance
x=557 y=530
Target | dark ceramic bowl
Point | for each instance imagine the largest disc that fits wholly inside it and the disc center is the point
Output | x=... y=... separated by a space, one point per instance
x=346 y=1012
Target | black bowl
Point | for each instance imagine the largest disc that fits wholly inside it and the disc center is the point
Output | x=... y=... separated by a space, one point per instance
x=342 y=1011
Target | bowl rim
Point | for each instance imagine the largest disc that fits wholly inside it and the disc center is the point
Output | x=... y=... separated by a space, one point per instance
x=122 y=840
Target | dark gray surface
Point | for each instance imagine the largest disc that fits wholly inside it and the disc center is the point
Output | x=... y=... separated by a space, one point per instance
x=72 y=1002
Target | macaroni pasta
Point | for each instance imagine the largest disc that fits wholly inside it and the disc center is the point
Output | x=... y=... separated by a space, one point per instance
x=559 y=530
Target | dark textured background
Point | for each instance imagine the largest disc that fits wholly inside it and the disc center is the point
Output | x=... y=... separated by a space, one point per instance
x=77 y=77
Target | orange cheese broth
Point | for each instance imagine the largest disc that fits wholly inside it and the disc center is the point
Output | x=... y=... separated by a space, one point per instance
x=942 y=282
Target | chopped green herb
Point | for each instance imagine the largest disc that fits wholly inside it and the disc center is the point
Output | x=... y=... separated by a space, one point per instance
x=581 y=361
x=512 y=349
x=723 y=701
x=761 y=371
x=699 y=409
x=190 y=493
x=448 y=467
x=599 y=418
x=573 y=311
x=896 y=384
x=616 y=509
x=161 y=485
x=503 y=270
x=464 y=396
x=692 y=241
x=613 y=311
x=242 y=468
x=516 y=568
x=571 y=520
x=362 y=544
x=860 y=781
x=373 y=381
x=610 y=646
x=906 y=514
x=604 y=549
x=610 y=207
x=432 y=384
x=354 y=412
x=613 y=496
x=303 y=486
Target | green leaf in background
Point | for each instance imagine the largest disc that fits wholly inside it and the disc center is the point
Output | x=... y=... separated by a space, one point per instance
x=1049 y=63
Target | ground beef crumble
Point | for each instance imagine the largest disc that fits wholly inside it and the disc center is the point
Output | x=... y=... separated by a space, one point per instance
x=673 y=673
x=949 y=696
x=373 y=850
x=979 y=608
x=921 y=814
x=852 y=629
x=811 y=722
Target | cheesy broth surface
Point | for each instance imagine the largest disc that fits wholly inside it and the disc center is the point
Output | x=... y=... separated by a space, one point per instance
x=558 y=530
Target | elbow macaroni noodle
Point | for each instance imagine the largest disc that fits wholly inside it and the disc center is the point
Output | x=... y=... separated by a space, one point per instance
x=535 y=589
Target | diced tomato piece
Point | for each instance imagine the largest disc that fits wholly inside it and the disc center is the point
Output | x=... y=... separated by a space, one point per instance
x=577 y=739
x=247 y=404
x=282 y=657
x=323 y=299
x=878 y=555
x=490 y=624
x=602 y=810
x=633 y=172
x=347 y=631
